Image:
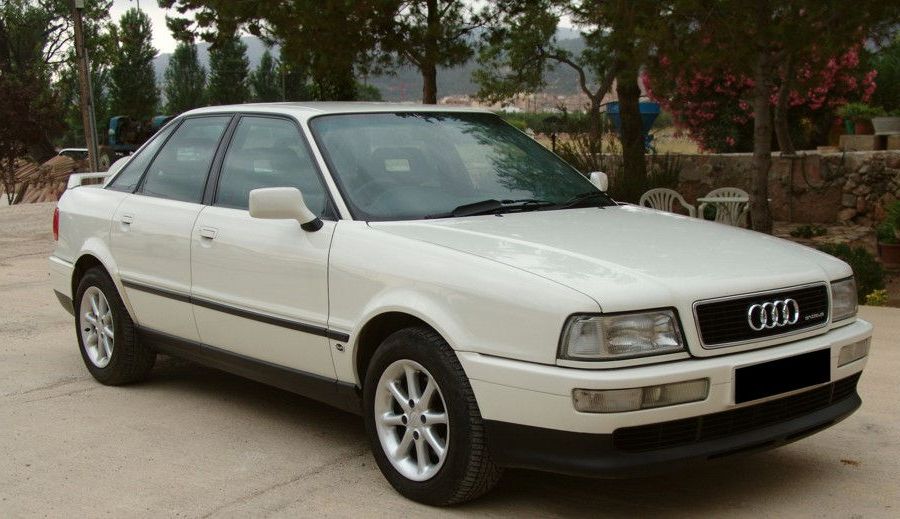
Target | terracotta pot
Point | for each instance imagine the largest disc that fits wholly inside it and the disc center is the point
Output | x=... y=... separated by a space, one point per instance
x=889 y=253
x=864 y=127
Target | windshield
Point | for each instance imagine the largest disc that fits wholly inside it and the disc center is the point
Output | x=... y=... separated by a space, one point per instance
x=412 y=165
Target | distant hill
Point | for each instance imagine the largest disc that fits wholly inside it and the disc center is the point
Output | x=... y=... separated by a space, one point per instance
x=405 y=84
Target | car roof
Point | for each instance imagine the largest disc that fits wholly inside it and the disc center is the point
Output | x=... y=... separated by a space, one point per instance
x=308 y=109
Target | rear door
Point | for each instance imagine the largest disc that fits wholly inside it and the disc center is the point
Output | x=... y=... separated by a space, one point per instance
x=260 y=287
x=150 y=234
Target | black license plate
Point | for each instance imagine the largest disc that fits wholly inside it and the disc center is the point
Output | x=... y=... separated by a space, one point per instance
x=781 y=376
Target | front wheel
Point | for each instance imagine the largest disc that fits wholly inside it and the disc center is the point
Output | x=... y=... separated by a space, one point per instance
x=423 y=423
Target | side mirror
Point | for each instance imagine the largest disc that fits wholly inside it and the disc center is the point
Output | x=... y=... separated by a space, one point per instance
x=283 y=203
x=600 y=180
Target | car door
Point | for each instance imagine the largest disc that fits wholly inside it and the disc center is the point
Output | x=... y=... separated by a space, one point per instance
x=260 y=287
x=150 y=235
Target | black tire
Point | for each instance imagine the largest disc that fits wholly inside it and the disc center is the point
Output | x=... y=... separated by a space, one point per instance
x=130 y=360
x=468 y=470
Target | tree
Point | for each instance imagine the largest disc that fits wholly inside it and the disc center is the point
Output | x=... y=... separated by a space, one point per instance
x=35 y=41
x=185 y=80
x=327 y=40
x=228 y=71
x=265 y=81
x=133 y=89
x=430 y=33
x=711 y=105
x=763 y=41
x=619 y=34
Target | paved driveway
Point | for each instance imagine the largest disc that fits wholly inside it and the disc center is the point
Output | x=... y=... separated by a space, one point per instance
x=196 y=442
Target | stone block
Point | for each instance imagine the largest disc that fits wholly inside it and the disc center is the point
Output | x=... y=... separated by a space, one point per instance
x=861 y=142
x=846 y=215
x=893 y=142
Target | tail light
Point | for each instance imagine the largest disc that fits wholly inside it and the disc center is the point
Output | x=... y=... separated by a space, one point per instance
x=56 y=224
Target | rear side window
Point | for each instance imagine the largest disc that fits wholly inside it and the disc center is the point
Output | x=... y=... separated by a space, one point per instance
x=268 y=152
x=128 y=179
x=180 y=169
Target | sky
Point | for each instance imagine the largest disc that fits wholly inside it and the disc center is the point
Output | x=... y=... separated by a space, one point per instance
x=162 y=38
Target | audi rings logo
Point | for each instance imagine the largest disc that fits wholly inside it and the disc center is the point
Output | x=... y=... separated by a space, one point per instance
x=773 y=314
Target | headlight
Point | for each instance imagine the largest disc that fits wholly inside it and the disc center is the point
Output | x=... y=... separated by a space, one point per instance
x=621 y=336
x=843 y=299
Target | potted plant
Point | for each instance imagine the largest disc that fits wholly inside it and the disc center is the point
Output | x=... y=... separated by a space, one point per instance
x=858 y=118
x=888 y=233
x=888 y=124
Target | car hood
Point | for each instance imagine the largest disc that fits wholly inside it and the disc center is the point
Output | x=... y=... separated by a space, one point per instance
x=628 y=257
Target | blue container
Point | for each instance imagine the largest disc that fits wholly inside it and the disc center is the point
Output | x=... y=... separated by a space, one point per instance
x=649 y=113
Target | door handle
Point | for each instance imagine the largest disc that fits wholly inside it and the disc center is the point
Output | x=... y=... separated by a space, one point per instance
x=208 y=232
x=127 y=219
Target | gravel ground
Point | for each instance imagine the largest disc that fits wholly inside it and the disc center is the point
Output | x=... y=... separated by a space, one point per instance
x=195 y=442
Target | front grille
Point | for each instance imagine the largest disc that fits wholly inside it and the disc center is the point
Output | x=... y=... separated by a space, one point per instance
x=718 y=425
x=725 y=321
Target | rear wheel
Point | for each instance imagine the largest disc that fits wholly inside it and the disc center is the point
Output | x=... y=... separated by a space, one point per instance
x=423 y=423
x=106 y=335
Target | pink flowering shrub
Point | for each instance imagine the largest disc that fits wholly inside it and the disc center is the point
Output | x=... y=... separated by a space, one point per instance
x=713 y=107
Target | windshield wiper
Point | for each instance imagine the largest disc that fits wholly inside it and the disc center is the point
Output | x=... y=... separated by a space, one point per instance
x=587 y=199
x=493 y=206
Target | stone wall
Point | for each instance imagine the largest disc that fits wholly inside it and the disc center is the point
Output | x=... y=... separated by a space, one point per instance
x=851 y=188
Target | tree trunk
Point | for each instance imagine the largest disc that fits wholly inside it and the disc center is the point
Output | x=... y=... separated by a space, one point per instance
x=633 y=160
x=760 y=216
x=429 y=84
x=428 y=65
x=594 y=127
x=782 y=129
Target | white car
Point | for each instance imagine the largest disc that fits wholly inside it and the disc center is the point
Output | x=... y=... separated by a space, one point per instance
x=478 y=301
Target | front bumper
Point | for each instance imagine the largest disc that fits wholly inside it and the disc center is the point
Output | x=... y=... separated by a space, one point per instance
x=532 y=421
x=581 y=454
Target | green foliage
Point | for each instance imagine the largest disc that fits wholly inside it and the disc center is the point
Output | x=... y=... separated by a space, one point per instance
x=265 y=81
x=888 y=229
x=809 y=231
x=548 y=122
x=133 y=89
x=328 y=41
x=887 y=62
x=228 y=71
x=185 y=80
x=877 y=298
x=365 y=92
x=427 y=34
x=868 y=272
x=31 y=111
x=860 y=111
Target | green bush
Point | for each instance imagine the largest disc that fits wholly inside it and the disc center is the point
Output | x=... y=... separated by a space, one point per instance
x=868 y=272
x=860 y=111
x=809 y=231
x=548 y=122
x=887 y=229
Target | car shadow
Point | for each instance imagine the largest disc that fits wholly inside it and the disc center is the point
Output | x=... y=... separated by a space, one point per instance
x=729 y=484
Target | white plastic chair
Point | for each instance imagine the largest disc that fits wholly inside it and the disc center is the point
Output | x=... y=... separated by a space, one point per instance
x=663 y=199
x=731 y=212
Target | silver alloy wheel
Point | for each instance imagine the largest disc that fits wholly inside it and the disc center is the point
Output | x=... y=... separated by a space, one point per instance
x=96 y=325
x=411 y=420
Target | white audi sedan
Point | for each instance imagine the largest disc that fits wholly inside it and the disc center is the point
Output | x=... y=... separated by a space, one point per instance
x=481 y=303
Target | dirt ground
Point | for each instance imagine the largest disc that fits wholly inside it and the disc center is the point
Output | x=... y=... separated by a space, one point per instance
x=194 y=442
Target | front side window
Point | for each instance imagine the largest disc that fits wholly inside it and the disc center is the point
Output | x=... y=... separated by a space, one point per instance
x=268 y=152
x=128 y=179
x=411 y=165
x=180 y=169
